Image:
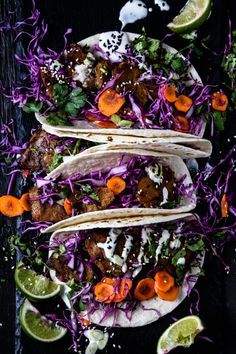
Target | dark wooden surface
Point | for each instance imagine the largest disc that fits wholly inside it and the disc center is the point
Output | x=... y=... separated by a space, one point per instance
x=217 y=289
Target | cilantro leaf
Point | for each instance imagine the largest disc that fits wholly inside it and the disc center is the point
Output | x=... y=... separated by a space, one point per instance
x=33 y=107
x=147 y=46
x=57 y=118
x=179 y=254
x=57 y=160
x=219 y=120
x=197 y=246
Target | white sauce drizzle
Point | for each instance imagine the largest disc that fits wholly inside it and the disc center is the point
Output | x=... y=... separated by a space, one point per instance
x=181 y=261
x=175 y=244
x=82 y=71
x=110 y=244
x=155 y=173
x=164 y=238
x=132 y=11
x=144 y=237
x=165 y=194
x=162 y=4
x=126 y=251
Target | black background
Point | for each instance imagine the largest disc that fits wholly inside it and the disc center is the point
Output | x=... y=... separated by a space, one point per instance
x=217 y=288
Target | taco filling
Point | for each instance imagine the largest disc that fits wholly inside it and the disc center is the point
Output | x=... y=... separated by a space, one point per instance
x=112 y=266
x=142 y=182
x=44 y=152
x=117 y=83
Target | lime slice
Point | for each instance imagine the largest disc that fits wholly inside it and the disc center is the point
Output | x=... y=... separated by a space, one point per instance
x=181 y=333
x=191 y=16
x=37 y=326
x=34 y=285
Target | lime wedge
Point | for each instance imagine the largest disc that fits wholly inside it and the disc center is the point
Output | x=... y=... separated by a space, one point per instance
x=37 y=326
x=33 y=285
x=191 y=16
x=181 y=333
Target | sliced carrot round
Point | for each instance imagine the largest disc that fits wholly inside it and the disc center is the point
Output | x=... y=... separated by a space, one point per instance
x=24 y=200
x=84 y=321
x=67 y=206
x=144 y=289
x=182 y=124
x=219 y=101
x=169 y=295
x=183 y=103
x=124 y=286
x=109 y=102
x=170 y=93
x=163 y=281
x=107 y=125
x=116 y=184
x=224 y=207
x=104 y=292
x=10 y=206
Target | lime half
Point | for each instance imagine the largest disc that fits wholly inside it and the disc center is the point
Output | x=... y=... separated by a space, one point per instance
x=181 y=333
x=34 y=285
x=191 y=16
x=37 y=326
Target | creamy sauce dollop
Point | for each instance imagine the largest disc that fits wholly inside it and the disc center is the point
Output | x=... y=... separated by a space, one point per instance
x=132 y=11
x=162 y=4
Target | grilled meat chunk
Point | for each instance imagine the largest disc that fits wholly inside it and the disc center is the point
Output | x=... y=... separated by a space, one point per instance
x=129 y=75
x=151 y=195
x=64 y=273
x=106 y=197
x=40 y=152
x=141 y=93
x=74 y=54
x=102 y=70
x=45 y=212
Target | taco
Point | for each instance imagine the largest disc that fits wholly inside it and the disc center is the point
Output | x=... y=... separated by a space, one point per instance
x=127 y=272
x=184 y=147
x=121 y=84
x=108 y=184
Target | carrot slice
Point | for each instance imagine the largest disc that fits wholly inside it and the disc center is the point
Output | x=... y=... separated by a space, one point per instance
x=24 y=200
x=104 y=292
x=163 y=281
x=170 y=93
x=219 y=101
x=224 y=207
x=116 y=184
x=183 y=103
x=84 y=321
x=109 y=102
x=67 y=206
x=144 y=289
x=10 y=206
x=169 y=295
x=182 y=124
x=124 y=286
x=91 y=118
x=105 y=124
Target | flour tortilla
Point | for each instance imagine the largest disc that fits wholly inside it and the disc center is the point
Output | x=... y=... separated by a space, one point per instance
x=186 y=148
x=152 y=309
x=105 y=160
x=83 y=127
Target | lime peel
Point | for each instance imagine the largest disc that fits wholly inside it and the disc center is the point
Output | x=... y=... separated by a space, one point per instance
x=191 y=16
x=37 y=326
x=36 y=287
x=180 y=333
